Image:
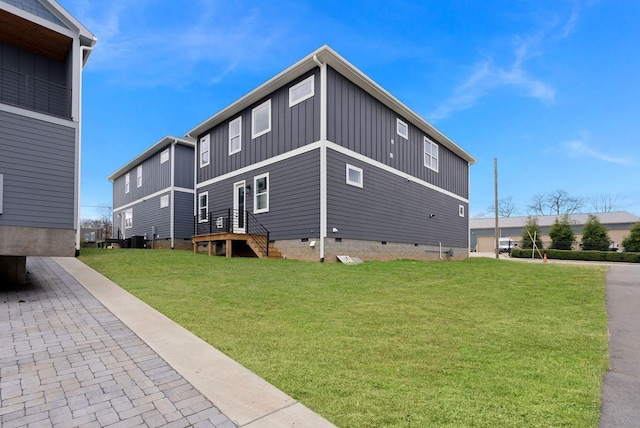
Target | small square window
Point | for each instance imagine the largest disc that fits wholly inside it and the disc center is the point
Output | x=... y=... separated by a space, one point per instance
x=301 y=91
x=164 y=156
x=461 y=210
x=354 y=176
x=204 y=151
x=402 y=129
x=261 y=119
x=235 y=135
x=164 y=201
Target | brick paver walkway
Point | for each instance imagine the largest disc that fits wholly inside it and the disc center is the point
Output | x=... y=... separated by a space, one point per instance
x=66 y=361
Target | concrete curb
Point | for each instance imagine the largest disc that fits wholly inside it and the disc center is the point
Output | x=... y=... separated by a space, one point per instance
x=246 y=399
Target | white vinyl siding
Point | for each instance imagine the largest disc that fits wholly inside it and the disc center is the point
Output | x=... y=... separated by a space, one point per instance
x=203 y=207
x=205 y=151
x=354 y=176
x=301 y=91
x=261 y=194
x=261 y=119
x=139 y=176
x=127 y=181
x=235 y=135
x=430 y=154
x=164 y=201
x=402 y=129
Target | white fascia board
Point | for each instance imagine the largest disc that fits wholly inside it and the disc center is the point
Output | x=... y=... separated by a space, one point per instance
x=64 y=16
x=162 y=192
x=149 y=152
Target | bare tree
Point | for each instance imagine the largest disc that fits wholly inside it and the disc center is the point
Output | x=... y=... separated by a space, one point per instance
x=506 y=207
x=103 y=220
x=558 y=202
x=605 y=203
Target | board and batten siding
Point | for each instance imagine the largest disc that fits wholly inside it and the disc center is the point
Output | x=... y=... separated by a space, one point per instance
x=155 y=177
x=294 y=196
x=291 y=128
x=183 y=167
x=38 y=164
x=359 y=122
x=390 y=208
x=183 y=214
x=145 y=214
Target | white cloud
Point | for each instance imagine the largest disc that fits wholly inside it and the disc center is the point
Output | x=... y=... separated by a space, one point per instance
x=578 y=149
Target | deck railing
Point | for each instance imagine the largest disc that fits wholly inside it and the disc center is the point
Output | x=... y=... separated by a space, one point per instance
x=231 y=221
x=35 y=94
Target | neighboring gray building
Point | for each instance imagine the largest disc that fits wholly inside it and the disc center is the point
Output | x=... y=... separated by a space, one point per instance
x=153 y=194
x=332 y=164
x=42 y=52
x=483 y=234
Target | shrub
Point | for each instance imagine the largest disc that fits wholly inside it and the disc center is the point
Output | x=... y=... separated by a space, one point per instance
x=631 y=243
x=531 y=229
x=562 y=234
x=595 y=235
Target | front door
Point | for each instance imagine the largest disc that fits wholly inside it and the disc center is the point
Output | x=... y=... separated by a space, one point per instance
x=239 y=207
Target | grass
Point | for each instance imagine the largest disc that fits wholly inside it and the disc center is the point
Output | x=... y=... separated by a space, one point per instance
x=479 y=343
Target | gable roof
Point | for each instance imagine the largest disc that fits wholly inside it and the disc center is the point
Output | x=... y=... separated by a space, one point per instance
x=619 y=217
x=328 y=56
x=150 y=152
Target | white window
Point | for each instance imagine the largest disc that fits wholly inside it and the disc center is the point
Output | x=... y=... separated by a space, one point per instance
x=402 y=129
x=139 y=176
x=204 y=151
x=461 y=210
x=128 y=219
x=164 y=201
x=235 y=135
x=261 y=119
x=430 y=154
x=127 y=179
x=354 y=176
x=164 y=156
x=261 y=194
x=203 y=207
x=301 y=91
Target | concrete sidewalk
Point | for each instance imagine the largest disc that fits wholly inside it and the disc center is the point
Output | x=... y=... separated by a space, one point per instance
x=621 y=385
x=77 y=350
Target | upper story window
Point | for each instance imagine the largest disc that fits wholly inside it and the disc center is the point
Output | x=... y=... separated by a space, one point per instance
x=235 y=135
x=354 y=175
x=430 y=154
x=127 y=180
x=204 y=151
x=301 y=91
x=261 y=198
x=139 y=176
x=261 y=119
x=203 y=207
x=164 y=156
x=402 y=129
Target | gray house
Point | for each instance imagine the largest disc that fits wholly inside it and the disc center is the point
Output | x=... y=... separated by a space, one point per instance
x=153 y=195
x=42 y=52
x=328 y=163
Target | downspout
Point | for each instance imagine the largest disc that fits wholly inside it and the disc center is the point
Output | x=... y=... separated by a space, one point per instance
x=172 y=194
x=323 y=155
x=82 y=50
x=195 y=178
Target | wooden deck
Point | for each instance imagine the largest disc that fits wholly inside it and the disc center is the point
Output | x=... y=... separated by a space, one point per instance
x=257 y=243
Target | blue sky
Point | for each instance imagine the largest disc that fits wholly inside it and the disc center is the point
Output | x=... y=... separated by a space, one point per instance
x=549 y=88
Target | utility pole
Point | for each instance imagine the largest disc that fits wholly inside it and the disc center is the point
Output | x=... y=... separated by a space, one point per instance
x=495 y=206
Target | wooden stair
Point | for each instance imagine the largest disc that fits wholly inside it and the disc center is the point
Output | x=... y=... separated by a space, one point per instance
x=258 y=243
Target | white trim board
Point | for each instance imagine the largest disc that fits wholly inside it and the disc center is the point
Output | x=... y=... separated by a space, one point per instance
x=154 y=195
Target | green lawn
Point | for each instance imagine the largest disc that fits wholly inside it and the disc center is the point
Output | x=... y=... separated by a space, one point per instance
x=480 y=343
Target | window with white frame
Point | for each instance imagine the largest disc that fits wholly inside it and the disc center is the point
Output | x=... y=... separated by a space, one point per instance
x=164 y=156
x=354 y=176
x=402 y=129
x=430 y=154
x=301 y=91
x=204 y=151
x=139 y=176
x=164 y=201
x=235 y=135
x=127 y=180
x=261 y=119
x=128 y=219
x=261 y=193
x=203 y=207
x=461 y=210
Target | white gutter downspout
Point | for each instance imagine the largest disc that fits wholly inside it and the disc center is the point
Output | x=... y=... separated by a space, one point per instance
x=195 y=178
x=82 y=50
x=172 y=193
x=323 y=155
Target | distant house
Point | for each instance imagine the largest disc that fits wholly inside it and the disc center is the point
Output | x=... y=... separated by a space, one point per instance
x=42 y=52
x=153 y=194
x=618 y=225
x=330 y=163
